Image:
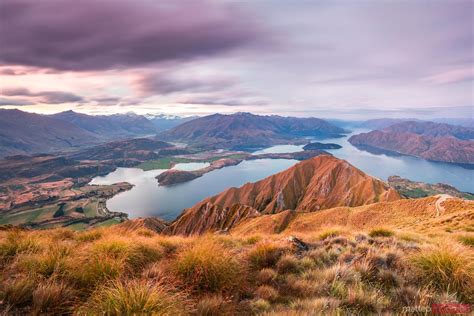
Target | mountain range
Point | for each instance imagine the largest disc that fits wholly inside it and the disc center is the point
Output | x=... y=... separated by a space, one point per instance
x=427 y=140
x=29 y=133
x=247 y=131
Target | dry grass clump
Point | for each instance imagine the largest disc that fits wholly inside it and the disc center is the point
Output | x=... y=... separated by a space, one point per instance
x=361 y=300
x=467 y=240
x=52 y=298
x=16 y=242
x=266 y=276
x=447 y=268
x=207 y=266
x=51 y=261
x=267 y=293
x=214 y=305
x=89 y=235
x=91 y=271
x=136 y=297
x=105 y=271
x=288 y=264
x=317 y=306
x=18 y=292
x=381 y=232
x=264 y=255
x=329 y=233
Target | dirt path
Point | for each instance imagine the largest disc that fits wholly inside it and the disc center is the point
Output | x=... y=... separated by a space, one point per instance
x=441 y=199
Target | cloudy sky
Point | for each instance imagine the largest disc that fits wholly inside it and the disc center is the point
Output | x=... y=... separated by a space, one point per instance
x=339 y=59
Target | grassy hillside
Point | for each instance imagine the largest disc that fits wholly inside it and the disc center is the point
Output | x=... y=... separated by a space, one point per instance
x=124 y=270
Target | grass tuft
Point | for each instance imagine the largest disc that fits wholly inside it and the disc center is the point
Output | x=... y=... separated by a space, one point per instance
x=17 y=242
x=136 y=297
x=214 y=305
x=267 y=293
x=266 y=276
x=18 y=292
x=381 y=232
x=447 y=268
x=264 y=255
x=467 y=240
x=207 y=267
x=52 y=298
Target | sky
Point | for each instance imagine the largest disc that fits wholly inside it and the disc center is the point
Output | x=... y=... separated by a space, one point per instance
x=333 y=59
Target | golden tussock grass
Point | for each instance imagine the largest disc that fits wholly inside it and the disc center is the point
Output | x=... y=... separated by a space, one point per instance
x=132 y=297
x=106 y=271
x=207 y=266
x=446 y=267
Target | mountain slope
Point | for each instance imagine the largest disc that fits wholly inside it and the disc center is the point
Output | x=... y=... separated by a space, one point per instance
x=319 y=183
x=420 y=215
x=411 y=139
x=245 y=130
x=109 y=126
x=23 y=133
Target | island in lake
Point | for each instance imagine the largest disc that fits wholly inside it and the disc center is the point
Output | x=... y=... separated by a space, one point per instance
x=321 y=146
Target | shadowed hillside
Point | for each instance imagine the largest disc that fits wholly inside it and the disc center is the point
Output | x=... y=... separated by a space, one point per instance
x=246 y=130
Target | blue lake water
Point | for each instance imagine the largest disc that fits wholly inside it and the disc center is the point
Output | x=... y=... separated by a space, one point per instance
x=382 y=166
x=147 y=198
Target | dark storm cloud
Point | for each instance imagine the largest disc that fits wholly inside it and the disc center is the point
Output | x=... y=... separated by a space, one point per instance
x=110 y=34
x=167 y=83
x=50 y=97
x=4 y=102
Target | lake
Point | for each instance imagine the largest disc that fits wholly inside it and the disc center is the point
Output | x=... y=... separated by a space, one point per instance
x=147 y=198
x=382 y=166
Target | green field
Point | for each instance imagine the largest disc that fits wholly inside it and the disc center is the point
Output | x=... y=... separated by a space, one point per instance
x=107 y=223
x=34 y=215
x=163 y=163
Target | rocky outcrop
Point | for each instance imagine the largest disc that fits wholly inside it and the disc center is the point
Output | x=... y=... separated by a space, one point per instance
x=315 y=184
